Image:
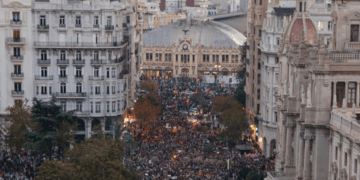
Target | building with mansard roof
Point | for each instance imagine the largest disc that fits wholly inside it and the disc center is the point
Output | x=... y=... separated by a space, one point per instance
x=191 y=47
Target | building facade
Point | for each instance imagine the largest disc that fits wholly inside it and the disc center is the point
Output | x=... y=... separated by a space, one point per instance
x=16 y=49
x=179 y=49
x=318 y=97
x=277 y=18
x=84 y=54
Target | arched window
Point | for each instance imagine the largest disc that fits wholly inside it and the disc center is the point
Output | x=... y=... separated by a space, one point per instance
x=43 y=55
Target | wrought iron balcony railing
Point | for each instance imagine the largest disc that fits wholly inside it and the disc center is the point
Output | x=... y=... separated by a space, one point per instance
x=15 y=22
x=38 y=77
x=43 y=61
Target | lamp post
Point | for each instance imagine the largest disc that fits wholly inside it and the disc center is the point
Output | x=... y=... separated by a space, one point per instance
x=217 y=66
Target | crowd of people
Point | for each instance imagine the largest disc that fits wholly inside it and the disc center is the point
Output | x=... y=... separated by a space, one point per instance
x=180 y=148
x=19 y=165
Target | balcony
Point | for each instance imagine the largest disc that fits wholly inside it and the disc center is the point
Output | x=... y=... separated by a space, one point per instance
x=62 y=61
x=12 y=40
x=77 y=25
x=109 y=27
x=15 y=22
x=63 y=77
x=44 y=62
x=17 y=75
x=342 y=58
x=38 y=77
x=96 y=26
x=96 y=61
x=77 y=77
x=79 y=62
x=62 y=25
x=98 y=78
x=81 y=113
x=70 y=95
x=17 y=93
x=47 y=44
x=43 y=27
x=16 y=58
x=353 y=45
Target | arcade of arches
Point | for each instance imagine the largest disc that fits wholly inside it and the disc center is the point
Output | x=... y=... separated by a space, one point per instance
x=86 y=127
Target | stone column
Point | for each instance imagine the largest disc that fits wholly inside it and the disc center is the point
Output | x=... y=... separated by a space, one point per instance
x=283 y=144
x=301 y=156
x=88 y=129
x=346 y=92
x=289 y=138
x=357 y=94
x=334 y=92
x=307 y=170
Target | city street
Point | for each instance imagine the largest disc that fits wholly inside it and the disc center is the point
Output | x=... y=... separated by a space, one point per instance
x=185 y=142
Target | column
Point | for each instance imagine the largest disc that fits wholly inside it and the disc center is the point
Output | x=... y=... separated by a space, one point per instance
x=346 y=92
x=301 y=156
x=288 y=145
x=283 y=143
x=307 y=169
x=334 y=92
x=357 y=94
x=88 y=129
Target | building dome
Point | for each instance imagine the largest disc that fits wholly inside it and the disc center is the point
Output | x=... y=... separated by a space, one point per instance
x=301 y=25
x=200 y=32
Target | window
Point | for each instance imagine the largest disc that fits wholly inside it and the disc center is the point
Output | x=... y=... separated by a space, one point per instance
x=62 y=55
x=96 y=20
x=78 y=55
x=176 y=58
x=96 y=55
x=109 y=21
x=78 y=72
x=109 y=55
x=42 y=20
x=96 y=72
x=107 y=89
x=113 y=89
x=351 y=93
x=50 y=90
x=276 y=60
x=300 y=6
x=97 y=107
x=355 y=166
x=113 y=106
x=62 y=71
x=354 y=33
x=107 y=106
x=329 y=25
x=43 y=71
x=17 y=87
x=107 y=72
x=149 y=56
x=17 y=69
x=62 y=21
x=193 y=58
x=43 y=90
x=336 y=153
x=206 y=58
x=43 y=55
x=16 y=51
x=216 y=58
x=128 y=19
x=16 y=16
x=113 y=73
x=259 y=66
x=78 y=106
x=78 y=20
x=92 y=107
x=97 y=89
x=260 y=2
x=63 y=106
x=78 y=88
x=37 y=90
x=118 y=105
x=62 y=88
x=259 y=32
x=275 y=116
x=345 y=159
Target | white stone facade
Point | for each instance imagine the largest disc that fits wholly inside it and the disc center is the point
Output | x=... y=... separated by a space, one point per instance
x=85 y=54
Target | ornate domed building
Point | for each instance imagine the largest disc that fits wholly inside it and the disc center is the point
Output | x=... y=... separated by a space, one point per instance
x=192 y=48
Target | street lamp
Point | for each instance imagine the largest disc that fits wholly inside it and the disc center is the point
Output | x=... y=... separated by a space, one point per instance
x=217 y=66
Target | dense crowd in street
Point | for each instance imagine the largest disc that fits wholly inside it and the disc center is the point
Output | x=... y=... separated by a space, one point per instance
x=182 y=149
x=19 y=165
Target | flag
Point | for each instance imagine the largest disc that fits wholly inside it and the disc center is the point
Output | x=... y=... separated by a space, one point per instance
x=162 y=5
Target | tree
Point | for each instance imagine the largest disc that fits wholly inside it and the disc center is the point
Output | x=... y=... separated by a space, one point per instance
x=96 y=158
x=20 y=118
x=54 y=128
x=232 y=116
x=200 y=98
x=254 y=175
x=147 y=111
x=243 y=173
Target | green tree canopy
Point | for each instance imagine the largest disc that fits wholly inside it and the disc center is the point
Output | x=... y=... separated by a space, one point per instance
x=94 y=159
